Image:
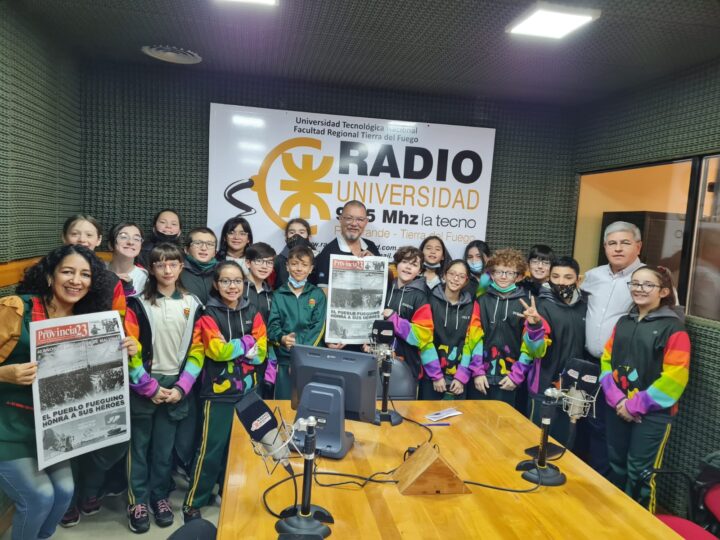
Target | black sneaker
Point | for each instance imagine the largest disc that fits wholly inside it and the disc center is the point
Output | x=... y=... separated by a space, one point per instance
x=138 y=519
x=163 y=513
x=71 y=517
x=90 y=506
x=190 y=513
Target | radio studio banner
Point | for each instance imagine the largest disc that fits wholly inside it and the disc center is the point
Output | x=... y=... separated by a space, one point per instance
x=416 y=179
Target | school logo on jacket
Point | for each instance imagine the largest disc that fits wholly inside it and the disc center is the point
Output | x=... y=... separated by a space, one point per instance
x=312 y=302
x=186 y=312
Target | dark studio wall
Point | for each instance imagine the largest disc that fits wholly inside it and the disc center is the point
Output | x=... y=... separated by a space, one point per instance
x=40 y=164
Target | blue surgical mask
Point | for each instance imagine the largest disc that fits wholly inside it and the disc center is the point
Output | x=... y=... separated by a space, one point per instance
x=295 y=283
x=432 y=266
x=476 y=267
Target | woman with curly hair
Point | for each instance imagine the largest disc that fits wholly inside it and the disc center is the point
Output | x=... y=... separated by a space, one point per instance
x=70 y=280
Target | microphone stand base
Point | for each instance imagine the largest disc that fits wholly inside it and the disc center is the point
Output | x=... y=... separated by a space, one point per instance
x=312 y=524
x=387 y=416
x=549 y=475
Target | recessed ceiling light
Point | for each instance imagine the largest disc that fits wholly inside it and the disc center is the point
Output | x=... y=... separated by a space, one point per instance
x=551 y=20
x=261 y=2
x=175 y=55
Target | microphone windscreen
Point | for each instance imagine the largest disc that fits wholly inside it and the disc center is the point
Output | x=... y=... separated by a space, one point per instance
x=255 y=416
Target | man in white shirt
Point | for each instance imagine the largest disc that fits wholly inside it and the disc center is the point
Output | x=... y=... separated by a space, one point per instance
x=608 y=299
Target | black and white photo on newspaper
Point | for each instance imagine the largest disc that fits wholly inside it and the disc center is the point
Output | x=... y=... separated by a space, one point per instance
x=81 y=397
x=356 y=297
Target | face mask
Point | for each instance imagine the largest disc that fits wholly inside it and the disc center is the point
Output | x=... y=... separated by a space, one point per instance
x=476 y=267
x=160 y=237
x=295 y=283
x=507 y=289
x=564 y=292
x=432 y=266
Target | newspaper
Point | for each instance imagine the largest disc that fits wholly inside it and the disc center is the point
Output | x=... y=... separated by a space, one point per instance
x=356 y=297
x=80 y=395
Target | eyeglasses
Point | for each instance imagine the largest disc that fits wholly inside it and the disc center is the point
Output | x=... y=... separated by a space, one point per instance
x=203 y=243
x=124 y=237
x=350 y=219
x=455 y=277
x=540 y=262
x=237 y=234
x=504 y=273
x=621 y=243
x=172 y=265
x=643 y=287
x=225 y=283
x=263 y=262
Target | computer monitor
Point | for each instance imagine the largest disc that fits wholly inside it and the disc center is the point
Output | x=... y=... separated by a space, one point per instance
x=354 y=372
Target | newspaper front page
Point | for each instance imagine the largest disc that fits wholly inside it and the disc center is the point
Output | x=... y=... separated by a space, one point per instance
x=81 y=398
x=356 y=297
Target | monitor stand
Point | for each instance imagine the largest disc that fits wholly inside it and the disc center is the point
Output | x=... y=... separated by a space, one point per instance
x=325 y=402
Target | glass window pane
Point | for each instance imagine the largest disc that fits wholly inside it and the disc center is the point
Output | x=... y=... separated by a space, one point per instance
x=704 y=298
x=654 y=198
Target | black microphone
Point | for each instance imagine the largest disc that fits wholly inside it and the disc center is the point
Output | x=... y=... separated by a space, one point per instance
x=262 y=426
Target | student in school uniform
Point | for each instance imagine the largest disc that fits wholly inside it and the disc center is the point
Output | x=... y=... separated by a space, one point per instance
x=476 y=256
x=235 y=238
x=90 y=470
x=539 y=259
x=167 y=228
x=232 y=343
x=554 y=334
x=408 y=308
x=644 y=372
x=162 y=374
x=458 y=335
x=125 y=241
x=200 y=261
x=297 y=229
x=297 y=317
x=260 y=259
x=435 y=259
x=499 y=309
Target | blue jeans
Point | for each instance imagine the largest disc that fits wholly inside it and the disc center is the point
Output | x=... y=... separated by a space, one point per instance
x=41 y=497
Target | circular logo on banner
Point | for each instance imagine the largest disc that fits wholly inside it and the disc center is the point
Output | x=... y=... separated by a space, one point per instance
x=302 y=182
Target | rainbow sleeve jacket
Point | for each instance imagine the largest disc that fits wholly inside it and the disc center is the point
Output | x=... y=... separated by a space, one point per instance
x=140 y=326
x=413 y=327
x=646 y=361
x=232 y=342
x=458 y=335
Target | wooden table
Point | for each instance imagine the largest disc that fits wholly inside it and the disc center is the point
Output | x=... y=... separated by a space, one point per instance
x=483 y=444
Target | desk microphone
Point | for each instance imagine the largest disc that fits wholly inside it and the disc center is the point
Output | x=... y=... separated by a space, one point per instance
x=262 y=426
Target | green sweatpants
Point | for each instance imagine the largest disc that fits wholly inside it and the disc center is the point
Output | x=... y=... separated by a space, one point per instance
x=215 y=427
x=633 y=448
x=153 y=430
x=283 y=385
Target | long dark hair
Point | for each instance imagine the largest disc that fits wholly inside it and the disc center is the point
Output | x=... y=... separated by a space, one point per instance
x=36 y=280
x=162 y=252
x=230 y=225
x=481 y=246
x=445 y=257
